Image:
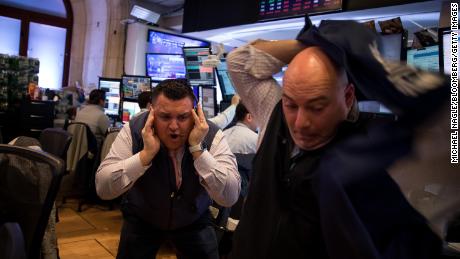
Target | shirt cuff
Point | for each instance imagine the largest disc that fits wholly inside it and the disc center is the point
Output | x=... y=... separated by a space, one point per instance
x=203 y=164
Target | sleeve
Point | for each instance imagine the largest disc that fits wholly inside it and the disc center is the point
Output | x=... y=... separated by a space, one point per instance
x=251 y=71
x=224 y=118
x=103 y=123
x=218 y=172
x=120 y=169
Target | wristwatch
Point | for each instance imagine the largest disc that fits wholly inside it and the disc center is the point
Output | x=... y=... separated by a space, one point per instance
x=195 y=148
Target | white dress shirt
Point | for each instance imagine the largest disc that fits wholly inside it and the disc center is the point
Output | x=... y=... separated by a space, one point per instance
x=251 y=71
x=216 y=168
x=241 y=139
x=224 y=118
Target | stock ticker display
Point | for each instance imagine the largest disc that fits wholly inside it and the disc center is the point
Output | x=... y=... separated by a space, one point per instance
x=274 y=9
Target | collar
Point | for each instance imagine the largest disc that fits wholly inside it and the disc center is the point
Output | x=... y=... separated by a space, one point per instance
x=241 y=125
x=179 y=154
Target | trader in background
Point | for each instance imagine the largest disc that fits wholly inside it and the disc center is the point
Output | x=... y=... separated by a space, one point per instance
x=242 y=138
x=144 y=100
x=93 y=115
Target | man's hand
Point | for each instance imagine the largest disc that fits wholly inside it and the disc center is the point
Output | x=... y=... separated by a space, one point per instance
x=151 y=141
x=200 y=129
x=235 y=99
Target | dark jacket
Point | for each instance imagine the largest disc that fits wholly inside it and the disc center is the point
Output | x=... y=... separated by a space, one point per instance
x=155 y=198
x=298 y=207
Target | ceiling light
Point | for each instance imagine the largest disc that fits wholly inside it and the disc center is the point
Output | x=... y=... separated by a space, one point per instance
x=145 y=14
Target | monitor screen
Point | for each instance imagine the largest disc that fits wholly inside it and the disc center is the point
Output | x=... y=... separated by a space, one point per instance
x=197 y=74
x=445 y=50
x=372 y=107
x=208 y=101
x=163 y=42
x=132 y=86
x=426 y=58
x=225 y=82
x=111 y=87
x=391 y=46
x=275 y=9
x=129 y=110
x=164 y=66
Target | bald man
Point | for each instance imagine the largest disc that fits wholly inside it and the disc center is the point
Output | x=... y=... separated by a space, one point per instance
x=299 y=121
x=300 y=202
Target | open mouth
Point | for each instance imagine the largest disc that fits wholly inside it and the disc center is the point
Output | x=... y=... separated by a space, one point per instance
x=174 y=136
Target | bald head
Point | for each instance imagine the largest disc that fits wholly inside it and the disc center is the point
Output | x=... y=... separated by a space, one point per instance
x=316 y=98
x=313 y=65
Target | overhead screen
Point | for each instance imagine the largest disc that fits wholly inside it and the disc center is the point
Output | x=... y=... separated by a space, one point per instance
x=426 y=58
x=164 y=66
x=197 y=74
x=163 y=42
x=111 y=87
x=276 y=9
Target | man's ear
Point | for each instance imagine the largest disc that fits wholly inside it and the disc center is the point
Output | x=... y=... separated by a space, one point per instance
x=249 y=117
x=349 y=95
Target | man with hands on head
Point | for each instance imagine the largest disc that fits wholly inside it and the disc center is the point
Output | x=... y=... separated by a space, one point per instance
x=170 y=163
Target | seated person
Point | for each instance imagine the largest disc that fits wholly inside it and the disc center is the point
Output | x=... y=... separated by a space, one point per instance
x=145 y=101
x=93 y=115
x=242 y=138
x=168 y=179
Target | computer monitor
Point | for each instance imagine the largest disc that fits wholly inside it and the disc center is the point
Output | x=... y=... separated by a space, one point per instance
x=393 y=46
x=225 y=82
x=373 y=107
x=164 y=66
x=426 y=58
x=132 y=86
x=208 y=101
x=111 y=87
x=445 y=51
x=129 y=109
x=197 y=74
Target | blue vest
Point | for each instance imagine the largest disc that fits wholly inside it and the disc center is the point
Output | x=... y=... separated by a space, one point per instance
x=155 y=198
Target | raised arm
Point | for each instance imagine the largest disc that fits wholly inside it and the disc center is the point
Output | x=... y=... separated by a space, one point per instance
x=251 y=68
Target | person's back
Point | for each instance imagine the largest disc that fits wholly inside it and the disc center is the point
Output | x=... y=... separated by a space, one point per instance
x=93 y=115
x=242 y=137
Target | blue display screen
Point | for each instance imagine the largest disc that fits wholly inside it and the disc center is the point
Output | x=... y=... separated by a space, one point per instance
x=225 y=82
x=161 y=42
x=164 y=66
x=426 y=58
